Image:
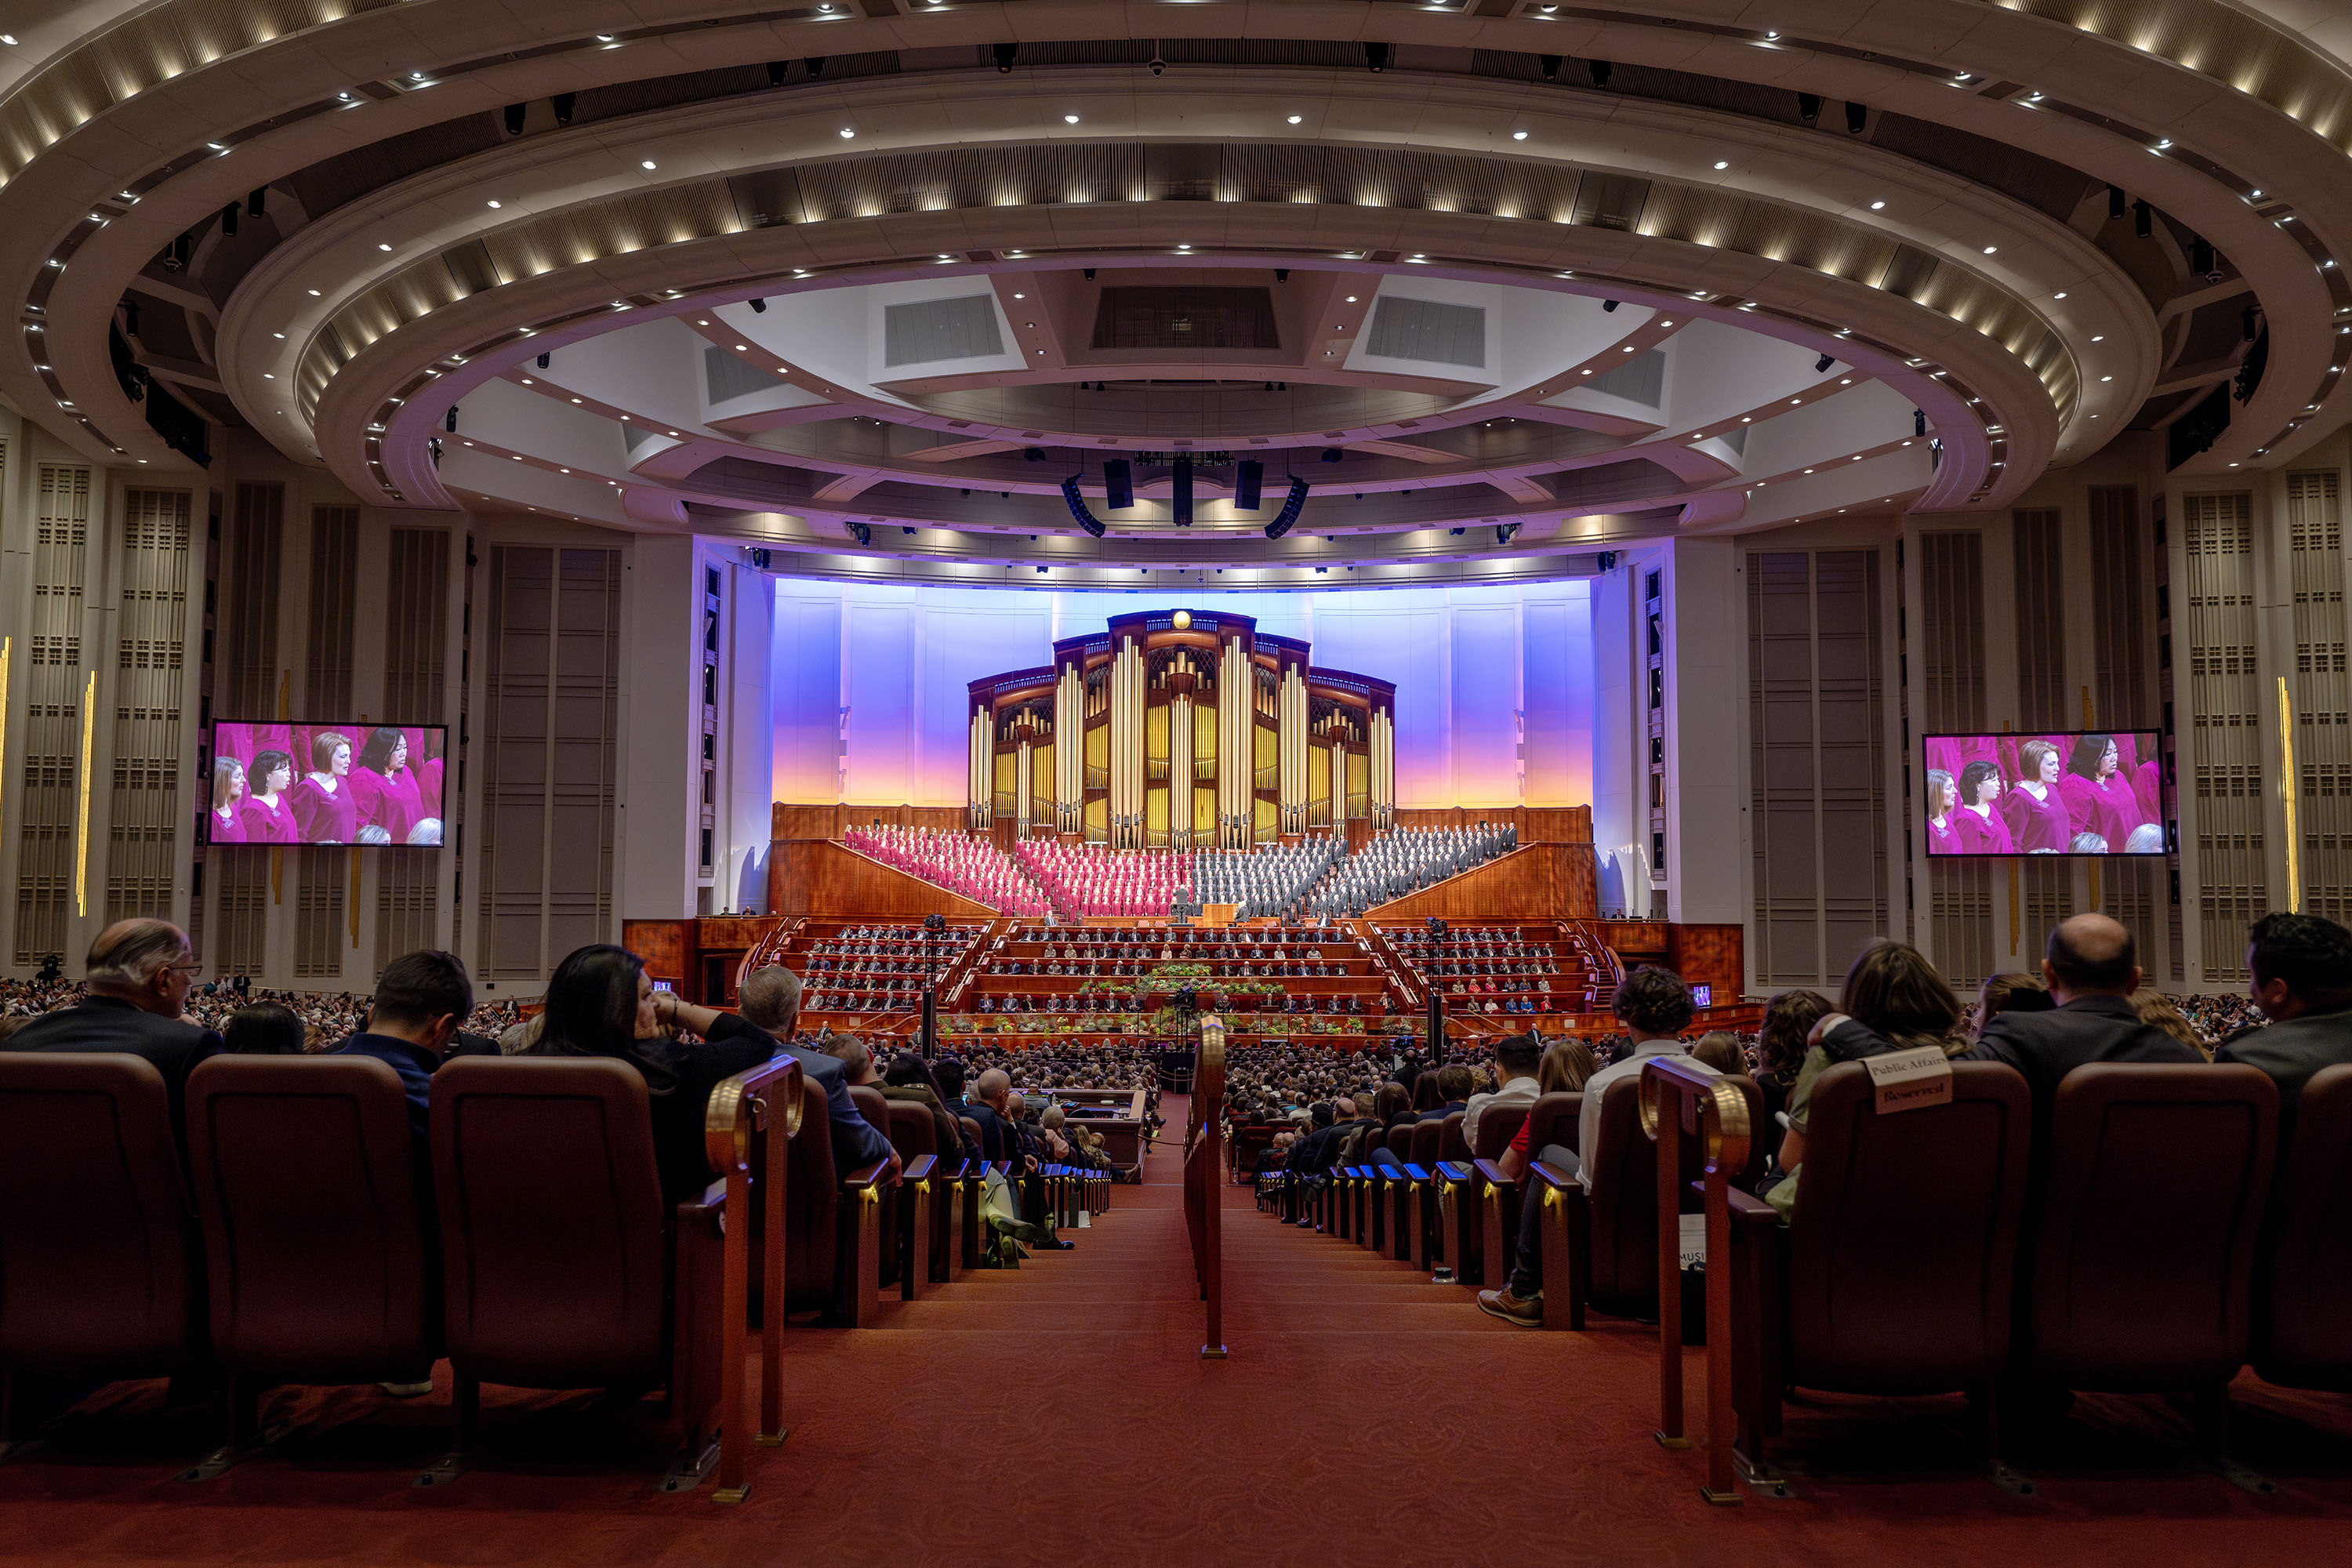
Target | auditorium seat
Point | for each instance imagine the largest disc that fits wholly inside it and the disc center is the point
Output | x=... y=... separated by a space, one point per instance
x=1551 y=1120
x=1469 y=1191
x=916 y=1239
x=1415 y=1211
x=322 y=1258
x=562 y=1269
x=1601 y=1250
x=876 y=1113
x=2153 y=1194
x=1895 y=1274
x=2305 y=1273
x=831 y=1225
x=101 y=1268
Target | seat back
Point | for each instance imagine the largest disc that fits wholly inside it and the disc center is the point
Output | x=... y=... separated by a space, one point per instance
x=553 y=1239
x=1623 y=1167
x=1497 y=1125
x=1903 y=1247
x=2305 y=1275
x=1426 y=1137
x=812 y=1206
x=2154 y=1190
x=912 y=1131
x=319 y=1245
x=1451 y=1144
x=972 y=1133
x=1553 y=1119
x=101 y=1272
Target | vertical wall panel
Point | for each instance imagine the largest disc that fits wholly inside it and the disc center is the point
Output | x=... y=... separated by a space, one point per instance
x=51 y=748
x=248 y=666
x=2226 y=736
x=241 y=881
x=1951 y=677
x=2120 y=697
x=2041 y=650
x=2323 y=695
x=415 y=638
x=334 y=587
x=318 y=930
x=150 y=691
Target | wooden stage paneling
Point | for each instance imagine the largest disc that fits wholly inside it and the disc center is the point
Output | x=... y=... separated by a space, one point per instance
x=1536 y=824
x=1714 y=955
x=791 y=821
x=817 y=877
x=1533 y=882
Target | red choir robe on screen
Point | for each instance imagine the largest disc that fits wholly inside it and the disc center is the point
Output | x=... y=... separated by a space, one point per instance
x=2106 y=807
x=428 y=788
x=2036 y=825
x=226 y=828
x=1944 y=838
x=387 y=802
x=2147 y=785
x=267 y=823
x=1982 y=834
x=324 y=815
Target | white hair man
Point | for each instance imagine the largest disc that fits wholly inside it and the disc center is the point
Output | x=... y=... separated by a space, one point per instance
x=138 y=973
x=771 y=998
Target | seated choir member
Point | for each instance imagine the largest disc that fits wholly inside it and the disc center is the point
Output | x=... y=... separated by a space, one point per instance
x=383 y=790
x=1978 y=825
x=325 y=811
x=227 y=823
x=2036 y=810
x=268 y=810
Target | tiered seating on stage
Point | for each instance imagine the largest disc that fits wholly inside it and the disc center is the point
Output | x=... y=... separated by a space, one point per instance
x=1404 y=860
x=1099 y=983
x=957 y=861
x=1084 y=880
x=857 y=970
x=1531 y=968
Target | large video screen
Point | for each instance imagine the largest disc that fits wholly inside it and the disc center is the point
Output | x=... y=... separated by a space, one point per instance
x=2077 y=793
x=375 y=785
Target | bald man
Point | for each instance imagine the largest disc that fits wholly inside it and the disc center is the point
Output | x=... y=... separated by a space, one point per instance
x=2092 y=968
x=138 y=973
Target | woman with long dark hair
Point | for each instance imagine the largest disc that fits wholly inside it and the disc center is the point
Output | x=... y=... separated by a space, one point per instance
x=324 y=809
x=600 y=1003
x=1789 y=1019
x=268 y=813
x=383 y=788
x=227 y=822
x=2099 y=799
x=2034 y=808
x=1978 y=824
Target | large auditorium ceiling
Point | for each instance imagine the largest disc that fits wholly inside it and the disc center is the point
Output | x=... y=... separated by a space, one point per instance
x=866 y=282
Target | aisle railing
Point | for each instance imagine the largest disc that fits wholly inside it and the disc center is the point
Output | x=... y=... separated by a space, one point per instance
x=1204 y=1173
x=745 y=1129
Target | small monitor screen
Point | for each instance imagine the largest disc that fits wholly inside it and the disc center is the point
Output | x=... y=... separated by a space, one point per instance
x=1701 y=996
x=2072 y=793
x=280 y=783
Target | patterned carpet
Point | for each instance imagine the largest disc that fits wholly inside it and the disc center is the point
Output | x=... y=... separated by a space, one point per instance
x=1061 y=1415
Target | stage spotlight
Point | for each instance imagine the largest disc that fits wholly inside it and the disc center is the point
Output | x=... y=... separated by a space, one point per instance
x=2143 y=220
x=1157 y=65
x=1118 y=484
x=1090 y=274
x=1331 y=454
x=1606 y=560
x=449 y=420
x=816 y=64
x=1504 y=531
x=255 y=201
x=2246 y=323
x=1086 y=519
x=2114 y=201
x=1809 y=107
x=776 y=72
x=1918 y=422
x=1248 y=479
x=1295 y=503
x=1282 y=275
x=1376 y=56
x=1181 y=496
x=1821 y=365
x=1551 y=64
x=1033 y=454
x=1857 y=118
x=1609 y=307
x=176 y=257
x=564 y=103
x=1600 y=69
x=862 y=533
x=230 y=215
x=514 y=112
x=758 y=307
x=2202 y=261
x=1269 y=386
x=1005 y=55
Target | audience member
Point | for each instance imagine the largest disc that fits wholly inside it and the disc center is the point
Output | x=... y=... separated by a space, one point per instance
x=264 y=1029
x=1720 y=1050
x=137 y=974
x=2092 y=968
x=1780 y=1044
x=770 y=999
x=2300 y=971
x=1516 y=1058
x=419 y=1003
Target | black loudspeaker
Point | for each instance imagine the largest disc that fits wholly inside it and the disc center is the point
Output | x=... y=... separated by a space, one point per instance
x=1248 y=483
x=1118 y=484
x=1180 y=498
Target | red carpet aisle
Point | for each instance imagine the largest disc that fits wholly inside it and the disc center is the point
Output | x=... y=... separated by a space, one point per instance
x=1061 y=1414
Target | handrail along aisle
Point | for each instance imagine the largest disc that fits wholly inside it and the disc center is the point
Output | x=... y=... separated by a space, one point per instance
x=1204 y=1174
x=748 y=1123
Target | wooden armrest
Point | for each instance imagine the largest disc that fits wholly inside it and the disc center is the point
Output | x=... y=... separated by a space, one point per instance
x=1552 y=1176
x=1492 y=1172
x=713 y=1196
x=1454 y=1170
x=871 y=1176
x=1746 y=1209
x=920 y=1167
x=1417 y=1172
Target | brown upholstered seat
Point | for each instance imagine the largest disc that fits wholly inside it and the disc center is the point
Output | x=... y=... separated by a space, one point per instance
x=877 y=1112
x=2305 y=1275
x=920 y=1206
x=1895 y=1275
x=101 y=1270
x=562 y=1268
x=1468 y=1199
x=322 y=1258
x=2152 y=1199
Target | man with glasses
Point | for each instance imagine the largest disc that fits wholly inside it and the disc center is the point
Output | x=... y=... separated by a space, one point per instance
x=139 y=973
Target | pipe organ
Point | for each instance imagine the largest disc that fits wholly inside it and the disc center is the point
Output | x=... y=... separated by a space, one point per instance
x=1181 y=730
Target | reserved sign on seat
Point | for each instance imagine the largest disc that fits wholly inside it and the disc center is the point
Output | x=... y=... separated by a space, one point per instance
x=1906 y=1080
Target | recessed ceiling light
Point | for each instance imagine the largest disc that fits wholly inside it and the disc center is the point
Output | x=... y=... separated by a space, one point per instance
x=1351 y=299
x=1990 y=248
x=2100 y=337
x=279 y=336
x=1878 y=206
x=743 y=349
x=2106 y=378
x=644 y=163
x=498 y=204
x=267 y=377
x=1069 y=120
x=1723 y=163
x=1021 y=296
x=314 y=293
x=845 y=133
x=1519 y=135
x=1295 y=119
x=1184 y=248
x=380 y=245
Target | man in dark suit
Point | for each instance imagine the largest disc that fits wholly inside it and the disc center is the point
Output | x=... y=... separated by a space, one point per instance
x=139 y=973
x=2302 y=970
x=770 y=999
x=2092 y=968
x=411 y=1027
